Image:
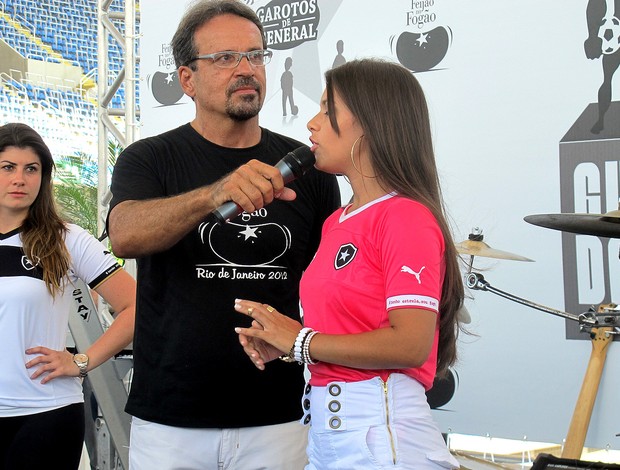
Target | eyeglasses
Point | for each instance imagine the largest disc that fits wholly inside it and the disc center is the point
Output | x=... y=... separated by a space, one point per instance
x=230 y=59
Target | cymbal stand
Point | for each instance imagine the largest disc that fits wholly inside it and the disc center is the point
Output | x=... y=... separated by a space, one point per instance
x=470 y=265
x=476 y=281
x=601 y=328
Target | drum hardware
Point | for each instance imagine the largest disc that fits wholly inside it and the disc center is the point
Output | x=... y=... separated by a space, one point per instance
x=601 y=225
x=605 y=316
x=601 y=333
x=601 y=323
x=580 y=422
x=608 y=315
x=476 y=281
x=474 y=246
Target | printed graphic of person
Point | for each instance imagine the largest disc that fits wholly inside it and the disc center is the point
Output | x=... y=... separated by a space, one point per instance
x=603 y=39
x=339 y=59
x=286 y=83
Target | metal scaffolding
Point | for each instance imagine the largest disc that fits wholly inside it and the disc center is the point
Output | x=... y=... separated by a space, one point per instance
x=106 y=388
x=119 y=123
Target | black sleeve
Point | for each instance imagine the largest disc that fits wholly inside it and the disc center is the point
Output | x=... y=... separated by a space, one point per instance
x=136 y=174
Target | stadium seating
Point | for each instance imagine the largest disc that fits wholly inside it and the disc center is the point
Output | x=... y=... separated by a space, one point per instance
x=61 y=31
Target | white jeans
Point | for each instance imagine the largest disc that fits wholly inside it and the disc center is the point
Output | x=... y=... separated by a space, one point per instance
x=374 y=425
x=158 y=447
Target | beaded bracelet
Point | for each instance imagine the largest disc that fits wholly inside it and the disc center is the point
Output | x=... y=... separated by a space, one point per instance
x=299 y=341
x=305 y=349
x=296 y=347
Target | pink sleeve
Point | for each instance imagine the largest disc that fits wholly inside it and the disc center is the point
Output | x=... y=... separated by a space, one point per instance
x=412 y=248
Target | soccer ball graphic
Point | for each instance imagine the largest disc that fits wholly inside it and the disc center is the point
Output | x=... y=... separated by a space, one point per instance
x=609 y=32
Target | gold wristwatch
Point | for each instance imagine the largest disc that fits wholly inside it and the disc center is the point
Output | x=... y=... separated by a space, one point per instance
x=81 y=360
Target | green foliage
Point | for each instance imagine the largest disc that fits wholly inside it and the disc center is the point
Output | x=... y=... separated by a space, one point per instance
x=78 y=204
x=75 y=187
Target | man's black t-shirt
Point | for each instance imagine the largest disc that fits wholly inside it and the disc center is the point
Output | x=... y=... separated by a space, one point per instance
x=189 y=368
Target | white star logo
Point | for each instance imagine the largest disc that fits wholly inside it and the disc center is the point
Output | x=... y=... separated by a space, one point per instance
x=346 y=254
x=422 y=39
x=169 y=78
x=27 y=264
x=249 y=232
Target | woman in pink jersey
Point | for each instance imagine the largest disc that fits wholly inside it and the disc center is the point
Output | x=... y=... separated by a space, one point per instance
x=380 y=298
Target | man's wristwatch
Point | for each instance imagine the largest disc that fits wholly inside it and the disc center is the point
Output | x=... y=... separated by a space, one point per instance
x=81 y=360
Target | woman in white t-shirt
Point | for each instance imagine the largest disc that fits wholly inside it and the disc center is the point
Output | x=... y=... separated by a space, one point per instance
x=380 y=298
x=41 y=257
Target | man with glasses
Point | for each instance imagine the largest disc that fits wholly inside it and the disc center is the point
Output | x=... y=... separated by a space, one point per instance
x=197 y=401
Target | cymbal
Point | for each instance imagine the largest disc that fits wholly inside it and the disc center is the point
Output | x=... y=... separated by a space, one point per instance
x=601 y=225
x=480 y=248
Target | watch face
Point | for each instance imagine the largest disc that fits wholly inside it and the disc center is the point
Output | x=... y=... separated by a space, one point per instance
x=82 y=358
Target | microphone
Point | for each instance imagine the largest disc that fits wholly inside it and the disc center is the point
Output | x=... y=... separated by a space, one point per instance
x=293 y=165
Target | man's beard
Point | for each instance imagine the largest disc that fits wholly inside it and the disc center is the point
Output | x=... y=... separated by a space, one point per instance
x=247 y=109
x=249 y=106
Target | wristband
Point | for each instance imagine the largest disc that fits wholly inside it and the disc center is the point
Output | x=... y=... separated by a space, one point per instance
x=305 y=349
x=299 y=341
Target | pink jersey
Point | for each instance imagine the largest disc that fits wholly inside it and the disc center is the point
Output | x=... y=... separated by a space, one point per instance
x=385 y=255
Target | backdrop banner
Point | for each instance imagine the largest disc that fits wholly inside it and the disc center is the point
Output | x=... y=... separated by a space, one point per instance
x=520 y=95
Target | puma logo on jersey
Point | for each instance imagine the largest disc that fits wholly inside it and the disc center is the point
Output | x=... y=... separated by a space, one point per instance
x=407 y=269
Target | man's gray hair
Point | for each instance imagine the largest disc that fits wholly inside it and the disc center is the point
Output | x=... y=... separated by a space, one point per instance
x=200 y=12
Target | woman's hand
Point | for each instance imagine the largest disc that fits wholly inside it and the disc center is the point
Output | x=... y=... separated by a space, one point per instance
x=54 y=363
x=271 y=334
x=259 y=351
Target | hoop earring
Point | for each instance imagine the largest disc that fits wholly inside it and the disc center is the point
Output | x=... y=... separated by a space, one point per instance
x=353 y=159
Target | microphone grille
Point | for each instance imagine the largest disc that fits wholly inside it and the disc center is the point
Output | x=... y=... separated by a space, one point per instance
x=304 y=157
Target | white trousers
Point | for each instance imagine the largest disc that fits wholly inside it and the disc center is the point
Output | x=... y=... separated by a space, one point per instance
x=374 y=425
x=158 y=447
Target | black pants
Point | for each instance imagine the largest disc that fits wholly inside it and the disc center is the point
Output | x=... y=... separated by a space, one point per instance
x=53 y=439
